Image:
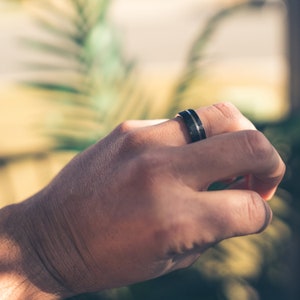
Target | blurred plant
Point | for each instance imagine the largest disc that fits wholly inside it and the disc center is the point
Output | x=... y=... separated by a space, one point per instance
x=83 y=71
x=94 y=87
x=188 y=83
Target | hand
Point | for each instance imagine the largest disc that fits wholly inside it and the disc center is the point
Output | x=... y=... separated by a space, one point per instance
x=135 y=205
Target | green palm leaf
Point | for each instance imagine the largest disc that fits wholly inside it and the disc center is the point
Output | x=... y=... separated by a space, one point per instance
x=86 y=61
x=191 y=75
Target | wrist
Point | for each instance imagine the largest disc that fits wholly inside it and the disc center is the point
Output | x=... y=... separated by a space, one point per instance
x=23 y=272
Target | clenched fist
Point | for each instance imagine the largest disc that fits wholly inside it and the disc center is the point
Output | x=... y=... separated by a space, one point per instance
x=136 y=205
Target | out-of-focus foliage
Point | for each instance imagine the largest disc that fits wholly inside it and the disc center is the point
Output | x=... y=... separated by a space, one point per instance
x=95 y=87
x=83 y=71
x=186 y=91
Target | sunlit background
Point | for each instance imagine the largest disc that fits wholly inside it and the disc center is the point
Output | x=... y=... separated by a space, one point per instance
x=71 y=70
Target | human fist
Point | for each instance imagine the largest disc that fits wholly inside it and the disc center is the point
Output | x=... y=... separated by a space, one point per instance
x=136 y=205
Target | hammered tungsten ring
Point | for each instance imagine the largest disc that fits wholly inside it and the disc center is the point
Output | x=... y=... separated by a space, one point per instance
x=193 y=124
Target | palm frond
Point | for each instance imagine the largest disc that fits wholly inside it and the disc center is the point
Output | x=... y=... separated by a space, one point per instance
x=194 y=66
x=84 y=59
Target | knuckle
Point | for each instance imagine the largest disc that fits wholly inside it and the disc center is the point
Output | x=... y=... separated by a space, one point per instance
x=257 y=145
x=227 y=110
x=134 y=141
x=254 y=204
x=231 y=117
x=125 y=127
x=249 y=214
x=256 y=211
x=136 y=138
x=224 y=117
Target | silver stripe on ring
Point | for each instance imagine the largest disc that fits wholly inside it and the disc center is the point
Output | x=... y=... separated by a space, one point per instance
x=193 y=124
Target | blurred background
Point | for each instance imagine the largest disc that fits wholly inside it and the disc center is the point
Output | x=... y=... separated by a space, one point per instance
x=72 y=70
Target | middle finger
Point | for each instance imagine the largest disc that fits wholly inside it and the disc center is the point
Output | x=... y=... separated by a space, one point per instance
x=231 y=155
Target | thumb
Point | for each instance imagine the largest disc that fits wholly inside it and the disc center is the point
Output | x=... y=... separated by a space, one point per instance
x=234 y=213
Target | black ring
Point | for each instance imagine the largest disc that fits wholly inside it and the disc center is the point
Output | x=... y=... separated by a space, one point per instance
x=193 y=124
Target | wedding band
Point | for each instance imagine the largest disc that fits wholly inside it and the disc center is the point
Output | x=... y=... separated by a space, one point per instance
x=193 y=124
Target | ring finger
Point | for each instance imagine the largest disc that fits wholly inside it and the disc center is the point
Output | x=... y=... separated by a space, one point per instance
x=216 y=119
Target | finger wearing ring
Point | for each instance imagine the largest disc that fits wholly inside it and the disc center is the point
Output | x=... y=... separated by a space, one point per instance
x=193 y=124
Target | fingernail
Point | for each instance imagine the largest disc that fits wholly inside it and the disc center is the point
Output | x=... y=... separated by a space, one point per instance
x=269 y=215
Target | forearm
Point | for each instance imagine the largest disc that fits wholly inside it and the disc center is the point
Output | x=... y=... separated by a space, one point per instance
x=22 y=275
